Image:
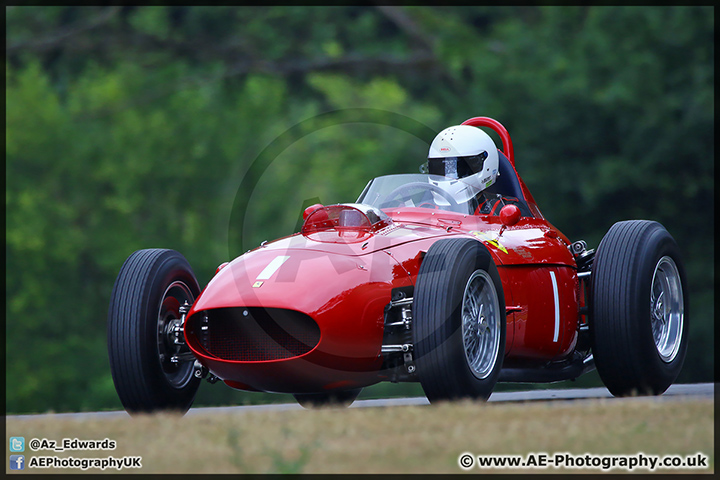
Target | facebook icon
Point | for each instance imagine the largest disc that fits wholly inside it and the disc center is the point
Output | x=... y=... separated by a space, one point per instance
x=17 y=462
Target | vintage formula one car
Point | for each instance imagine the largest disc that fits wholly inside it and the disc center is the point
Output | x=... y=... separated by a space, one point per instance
x=414 y=282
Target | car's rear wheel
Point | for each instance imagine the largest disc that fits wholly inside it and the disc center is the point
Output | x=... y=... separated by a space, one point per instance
x=459 y=321
x=339 y=398
x=639 y=305
x=144 y=332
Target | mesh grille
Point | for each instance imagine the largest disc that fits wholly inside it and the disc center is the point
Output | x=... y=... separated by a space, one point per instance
x=256 y=334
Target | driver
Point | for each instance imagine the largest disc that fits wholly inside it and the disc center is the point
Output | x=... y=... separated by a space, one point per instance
x=468 y=157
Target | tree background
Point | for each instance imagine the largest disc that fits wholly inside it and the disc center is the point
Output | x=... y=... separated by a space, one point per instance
x=133 y=127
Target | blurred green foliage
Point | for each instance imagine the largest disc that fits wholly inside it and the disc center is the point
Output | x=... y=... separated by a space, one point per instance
x=133 y=127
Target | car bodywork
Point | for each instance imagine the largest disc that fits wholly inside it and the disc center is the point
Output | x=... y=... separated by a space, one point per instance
x=330 y=307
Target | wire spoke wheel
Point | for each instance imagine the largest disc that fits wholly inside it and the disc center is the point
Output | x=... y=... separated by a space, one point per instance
x=480 y=326
x=151 y=366
x=666 y=309
x=639 y=309
x=169 y=334
x=459 y=321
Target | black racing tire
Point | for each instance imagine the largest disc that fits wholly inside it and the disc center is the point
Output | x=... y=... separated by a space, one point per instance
x=339 y=398
x=639 y=306
x=450 y=275
x=150 y=288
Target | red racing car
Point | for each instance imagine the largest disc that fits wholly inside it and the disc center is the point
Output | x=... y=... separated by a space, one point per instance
x=451 y=278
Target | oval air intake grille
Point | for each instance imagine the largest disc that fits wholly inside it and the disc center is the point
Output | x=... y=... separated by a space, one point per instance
x=254 y=334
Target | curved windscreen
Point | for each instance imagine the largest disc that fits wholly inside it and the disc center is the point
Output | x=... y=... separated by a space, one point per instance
x=345 y=216
x=417 y=190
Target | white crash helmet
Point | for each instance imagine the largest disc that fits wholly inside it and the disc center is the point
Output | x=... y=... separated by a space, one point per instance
x=467 y=154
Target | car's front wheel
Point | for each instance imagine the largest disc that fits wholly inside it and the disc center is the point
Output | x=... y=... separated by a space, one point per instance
x=151 y=366
x=639 y=306
x=459 y=321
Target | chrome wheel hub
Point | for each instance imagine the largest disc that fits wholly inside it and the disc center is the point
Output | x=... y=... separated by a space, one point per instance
x=480 y=324
x=666 y=309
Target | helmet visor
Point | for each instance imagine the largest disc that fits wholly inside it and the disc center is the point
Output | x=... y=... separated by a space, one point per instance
x=457 y=167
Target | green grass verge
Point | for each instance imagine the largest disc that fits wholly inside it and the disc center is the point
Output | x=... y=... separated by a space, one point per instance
x=414 y=439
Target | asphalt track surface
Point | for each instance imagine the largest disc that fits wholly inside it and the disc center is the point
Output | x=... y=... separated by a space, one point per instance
x=675 y=392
